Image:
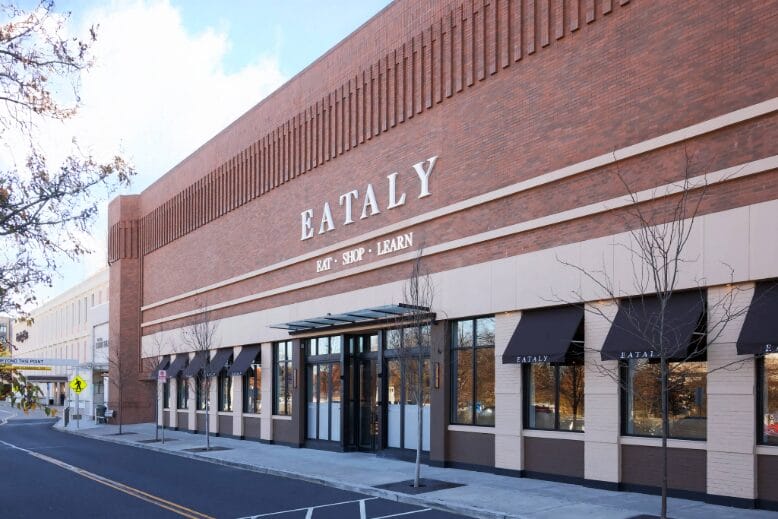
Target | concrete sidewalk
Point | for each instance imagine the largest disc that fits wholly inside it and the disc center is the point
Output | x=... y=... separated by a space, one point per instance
x=483 y=495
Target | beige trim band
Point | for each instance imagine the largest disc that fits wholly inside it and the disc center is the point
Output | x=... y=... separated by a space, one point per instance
x=739 y=171
x=722 y=121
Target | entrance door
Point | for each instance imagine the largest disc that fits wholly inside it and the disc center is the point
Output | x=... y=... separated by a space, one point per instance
x=362 y=421
x=367 y=409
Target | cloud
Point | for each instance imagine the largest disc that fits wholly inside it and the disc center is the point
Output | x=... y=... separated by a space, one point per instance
x=161 y=92
x=156 y=93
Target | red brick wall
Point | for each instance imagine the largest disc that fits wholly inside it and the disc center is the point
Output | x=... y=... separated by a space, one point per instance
x=593 y=76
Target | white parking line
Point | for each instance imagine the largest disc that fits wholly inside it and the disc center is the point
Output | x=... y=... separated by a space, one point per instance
x=309 y=509
x=404 y=513
x=4 y=420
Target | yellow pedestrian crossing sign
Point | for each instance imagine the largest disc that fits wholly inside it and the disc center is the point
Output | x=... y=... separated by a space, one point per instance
x=78 y=384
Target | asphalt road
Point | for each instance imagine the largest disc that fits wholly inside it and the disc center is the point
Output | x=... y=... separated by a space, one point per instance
x=46 y=473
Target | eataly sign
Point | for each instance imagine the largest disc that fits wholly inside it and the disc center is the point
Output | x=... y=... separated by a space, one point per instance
x=370 y=205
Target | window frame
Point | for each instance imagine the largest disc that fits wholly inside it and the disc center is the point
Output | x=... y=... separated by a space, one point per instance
x=165 y=394
x=760 y=400
x=288 y=384
x=182 y=392
x=254 y=368
x=453 y=368
x=221 y=398
x=201 y=400
x=526 y=381
x=624 y=372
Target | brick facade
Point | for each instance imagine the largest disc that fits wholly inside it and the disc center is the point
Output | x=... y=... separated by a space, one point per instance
x=537 y=115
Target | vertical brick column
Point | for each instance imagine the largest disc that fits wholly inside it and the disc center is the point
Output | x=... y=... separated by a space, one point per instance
x=237 y=401
x=731 y=460
x=508 y=445
x=125 y=279
x=213 y=395
x=602 y=456
x=191 y=401
x=160 y=404
x=173 y=403
x=266 y=420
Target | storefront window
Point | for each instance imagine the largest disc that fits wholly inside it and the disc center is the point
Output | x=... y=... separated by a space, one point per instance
x=182 y=392
x=687 y=405
x=768 y=397
x=283 y=378
x=555 y=396
x=408 y=387
x=225 y=389
x=165 y=394
x=201 y=392
x=472 y=364
x=324 y=346
x=252 y=388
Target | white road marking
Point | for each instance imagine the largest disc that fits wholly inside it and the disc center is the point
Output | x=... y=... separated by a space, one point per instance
x=134 y=492
x=404 y=513
x=309 y=509
x=3 y=421
x=362 y=513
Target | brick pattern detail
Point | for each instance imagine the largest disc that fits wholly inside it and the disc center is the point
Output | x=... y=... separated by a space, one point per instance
x=123 y=240
x=456 y=51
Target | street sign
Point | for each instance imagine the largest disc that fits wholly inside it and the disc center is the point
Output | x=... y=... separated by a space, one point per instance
x=78 y=384
x=162 y=376
x=12 y=361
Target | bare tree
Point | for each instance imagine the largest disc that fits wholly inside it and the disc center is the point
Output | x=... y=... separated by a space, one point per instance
x=121 y=370
x=199 y=336
x=661 y=223
x=418 y=298
x=159 y=347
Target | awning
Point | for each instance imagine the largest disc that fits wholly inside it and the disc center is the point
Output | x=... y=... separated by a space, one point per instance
x=177 y=365
x=759 y=334
x=635 y=332
x=163 y=364
x=543 y=335
x=244 y=360
x=375 y=315
x=218 y=361
x=196 y=366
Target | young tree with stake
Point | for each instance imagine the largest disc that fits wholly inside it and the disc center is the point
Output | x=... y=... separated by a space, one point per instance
x=199 y=336
x=652 y=322
x=418 y=298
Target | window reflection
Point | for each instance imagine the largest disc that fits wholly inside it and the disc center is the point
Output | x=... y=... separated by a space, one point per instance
x=687 y=403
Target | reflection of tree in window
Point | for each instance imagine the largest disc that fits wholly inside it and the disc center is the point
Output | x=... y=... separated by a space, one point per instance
x=472 y=358
x=769 y=397
x=687 y=407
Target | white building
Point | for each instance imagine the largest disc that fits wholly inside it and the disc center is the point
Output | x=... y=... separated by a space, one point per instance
x=73 y=325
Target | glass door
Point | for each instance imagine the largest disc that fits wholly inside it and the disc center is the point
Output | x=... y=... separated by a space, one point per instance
x=363 y=395
x=368 y=404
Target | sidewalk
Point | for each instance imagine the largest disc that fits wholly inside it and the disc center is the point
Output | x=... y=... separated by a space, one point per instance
x=483 y=495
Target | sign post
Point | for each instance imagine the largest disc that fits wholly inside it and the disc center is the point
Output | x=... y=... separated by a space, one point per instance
x=78 y=384
x=162 y=378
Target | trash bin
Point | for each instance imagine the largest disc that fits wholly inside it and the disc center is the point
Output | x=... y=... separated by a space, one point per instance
x=100 y=413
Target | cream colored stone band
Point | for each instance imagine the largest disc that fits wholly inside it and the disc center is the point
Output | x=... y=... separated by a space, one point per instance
x=739 y=171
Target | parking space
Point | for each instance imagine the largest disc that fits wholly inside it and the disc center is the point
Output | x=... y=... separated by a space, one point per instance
x=366 y=508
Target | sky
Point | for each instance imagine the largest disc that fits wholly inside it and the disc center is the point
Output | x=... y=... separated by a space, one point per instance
x=170 y=74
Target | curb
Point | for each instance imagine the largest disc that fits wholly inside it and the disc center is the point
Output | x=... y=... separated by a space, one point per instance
x=454 y=508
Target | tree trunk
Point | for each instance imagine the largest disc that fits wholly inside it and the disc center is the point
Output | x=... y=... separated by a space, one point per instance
x=665 y=433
